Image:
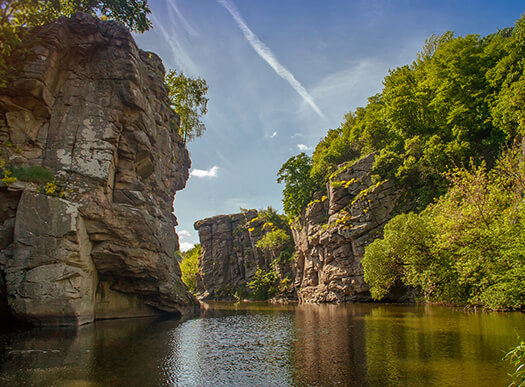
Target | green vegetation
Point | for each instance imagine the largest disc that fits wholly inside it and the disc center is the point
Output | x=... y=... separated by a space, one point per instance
x=264 y=284
x=34 y=174
x=462 y=99
x=189 y=266
x=187 y=98
x=298 y=184
x=18 y=16
x=466 y=248
x=516 y=356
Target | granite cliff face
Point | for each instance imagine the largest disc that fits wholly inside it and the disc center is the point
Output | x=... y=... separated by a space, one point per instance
x=229 y=255
x=91 y=109
x=332 y=233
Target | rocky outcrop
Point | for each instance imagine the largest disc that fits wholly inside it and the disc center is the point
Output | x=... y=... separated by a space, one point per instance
x=86 y=230
x=332 y=233
x=230 y=256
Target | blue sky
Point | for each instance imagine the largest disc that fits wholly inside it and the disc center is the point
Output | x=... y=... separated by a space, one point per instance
x=281 y=73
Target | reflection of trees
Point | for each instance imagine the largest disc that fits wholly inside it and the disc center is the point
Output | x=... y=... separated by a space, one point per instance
x=437 y=346
x=329 y=347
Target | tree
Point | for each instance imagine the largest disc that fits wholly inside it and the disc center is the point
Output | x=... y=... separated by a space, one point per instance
x=187 y=98
x=17 y=17
x=189 y=266
x=298 y=185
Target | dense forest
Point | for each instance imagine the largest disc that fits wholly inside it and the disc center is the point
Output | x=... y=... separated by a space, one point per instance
x=447 y=130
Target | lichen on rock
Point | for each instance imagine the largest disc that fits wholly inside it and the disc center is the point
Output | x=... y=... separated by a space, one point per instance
x=92 y=108
x=332 y=233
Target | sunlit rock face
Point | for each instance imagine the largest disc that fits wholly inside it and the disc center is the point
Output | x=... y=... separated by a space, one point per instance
x=332 y=233
x=91 y=108
x=230 y=256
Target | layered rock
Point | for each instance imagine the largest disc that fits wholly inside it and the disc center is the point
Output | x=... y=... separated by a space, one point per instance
x=332 y=233
x=230 y=256
x=98 y=241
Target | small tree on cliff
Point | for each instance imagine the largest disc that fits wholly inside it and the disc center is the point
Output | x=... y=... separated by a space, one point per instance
x=187 y=97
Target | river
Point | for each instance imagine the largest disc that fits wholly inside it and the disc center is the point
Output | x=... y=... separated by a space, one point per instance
x=256 y=344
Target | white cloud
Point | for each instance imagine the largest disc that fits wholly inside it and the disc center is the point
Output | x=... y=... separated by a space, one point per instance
x=185 y=246
x=212 y=172
x=184 y=234
x=269 y=57
x=303 y=147
x=273 y=135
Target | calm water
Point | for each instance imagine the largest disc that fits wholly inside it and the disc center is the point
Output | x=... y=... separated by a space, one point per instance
x=262 y=345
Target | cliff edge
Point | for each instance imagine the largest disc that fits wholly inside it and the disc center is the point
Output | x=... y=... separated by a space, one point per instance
x=91 y=160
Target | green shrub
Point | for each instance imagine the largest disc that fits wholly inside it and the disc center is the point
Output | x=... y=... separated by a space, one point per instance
x=516 y=356
x=264 y=284
x=34 y=174
x=189 y=267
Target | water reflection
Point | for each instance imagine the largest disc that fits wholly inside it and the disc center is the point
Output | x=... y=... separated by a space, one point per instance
x=264 y=345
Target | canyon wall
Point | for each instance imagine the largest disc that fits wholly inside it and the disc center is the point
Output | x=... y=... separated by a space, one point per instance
x=91 y=160
x=332 y=233
x=230 y=256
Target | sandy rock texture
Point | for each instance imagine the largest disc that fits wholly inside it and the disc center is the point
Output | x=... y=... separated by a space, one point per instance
x=97 y=240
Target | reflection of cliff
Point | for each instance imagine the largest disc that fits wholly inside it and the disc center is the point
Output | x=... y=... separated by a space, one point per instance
x=109 y=352
x=86 y=229
x=332 y=233
x=329 y=344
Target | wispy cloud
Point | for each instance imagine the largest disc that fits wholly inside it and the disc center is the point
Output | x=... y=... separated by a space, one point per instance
x=184 y=233
x=185 y=246
x=179 y=55
x=181 y=19
x=265 y=53
x=304 y=148
x=212 y=172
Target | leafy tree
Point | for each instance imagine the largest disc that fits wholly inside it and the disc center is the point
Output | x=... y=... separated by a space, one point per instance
x=298 y=184
x=468 y=247
x=189 y=266
x=275 y=243
x=264 y=284
x=187 y=97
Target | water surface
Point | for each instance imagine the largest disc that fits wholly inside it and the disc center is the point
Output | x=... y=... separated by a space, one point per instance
x=263 y=345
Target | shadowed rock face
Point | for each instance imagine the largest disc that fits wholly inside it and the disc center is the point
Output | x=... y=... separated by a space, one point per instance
x=332 y=233
x=93 y=109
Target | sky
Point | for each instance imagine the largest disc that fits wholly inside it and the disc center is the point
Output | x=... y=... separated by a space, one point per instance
x=281 y=73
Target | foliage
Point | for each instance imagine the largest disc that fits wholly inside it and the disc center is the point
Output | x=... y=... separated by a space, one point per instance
x=189 y=266
x=462 y=99
x=18 y=16
x=187 y=98
x=516 y=356
x=299 y=186
x=264 y=284
x=34 y=174
x=468 y=247
x=278 y=244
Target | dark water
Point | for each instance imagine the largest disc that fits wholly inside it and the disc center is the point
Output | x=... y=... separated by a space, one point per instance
x=262 y=345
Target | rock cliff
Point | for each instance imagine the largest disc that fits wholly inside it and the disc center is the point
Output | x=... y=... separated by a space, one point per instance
x=230 y=256
x=332 y=233
x=91 y=160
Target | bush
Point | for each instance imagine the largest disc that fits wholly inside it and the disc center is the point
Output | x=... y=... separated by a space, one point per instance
x=264 y=284
x=189 y=267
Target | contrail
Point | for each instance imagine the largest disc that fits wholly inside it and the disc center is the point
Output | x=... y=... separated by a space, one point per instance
x=267 y=54
x=179 y=55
